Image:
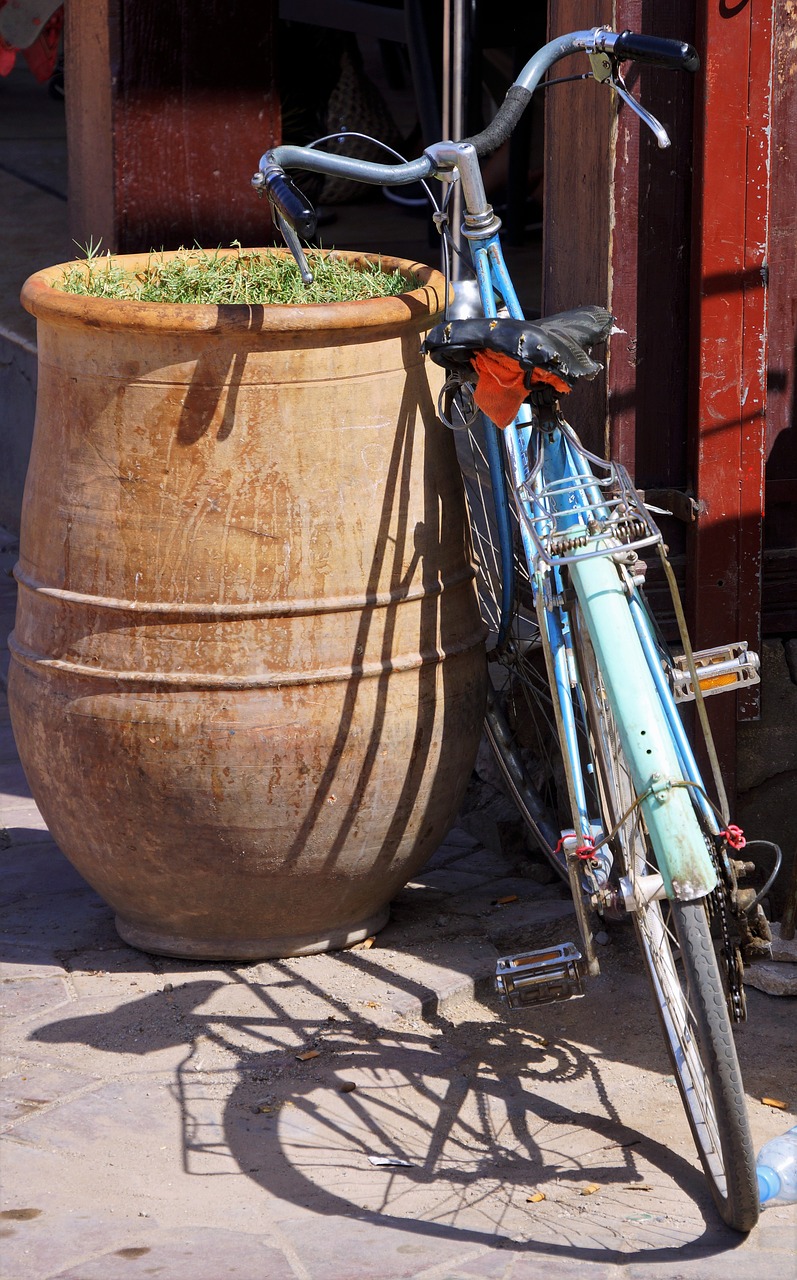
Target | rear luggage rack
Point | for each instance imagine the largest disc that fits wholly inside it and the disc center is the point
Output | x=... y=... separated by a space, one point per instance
x=578 y=517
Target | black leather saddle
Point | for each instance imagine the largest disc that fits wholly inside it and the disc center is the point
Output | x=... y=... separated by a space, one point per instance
x=558 y=344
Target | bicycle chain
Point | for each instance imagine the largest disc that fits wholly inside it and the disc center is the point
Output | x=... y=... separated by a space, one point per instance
x=730 y=955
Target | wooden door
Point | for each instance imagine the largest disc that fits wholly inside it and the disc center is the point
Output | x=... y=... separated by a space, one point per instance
x=693 y=251
x=168 y=108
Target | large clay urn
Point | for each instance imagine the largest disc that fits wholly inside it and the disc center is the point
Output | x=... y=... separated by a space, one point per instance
x=248 y=676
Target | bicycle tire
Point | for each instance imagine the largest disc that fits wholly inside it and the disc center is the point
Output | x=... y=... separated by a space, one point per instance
x=684 y=975
x=519 y=721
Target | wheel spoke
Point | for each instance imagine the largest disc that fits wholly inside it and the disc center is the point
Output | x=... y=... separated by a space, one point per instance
x=526 y=744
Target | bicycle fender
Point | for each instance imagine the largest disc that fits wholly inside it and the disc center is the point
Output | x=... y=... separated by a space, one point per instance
x=682 y=855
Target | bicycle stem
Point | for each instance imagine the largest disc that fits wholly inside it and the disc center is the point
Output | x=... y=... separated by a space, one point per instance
x=452 y=158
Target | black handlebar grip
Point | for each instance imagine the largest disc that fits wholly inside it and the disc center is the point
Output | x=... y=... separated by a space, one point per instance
x=501 y=126
x=289 y=201
x=656 y=51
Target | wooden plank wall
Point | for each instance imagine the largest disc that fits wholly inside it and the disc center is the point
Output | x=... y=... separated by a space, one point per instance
x=576 y=208
x=88 y=41
x=168 y=110
x=729 y=330
x=676 y=243
x=617 y=231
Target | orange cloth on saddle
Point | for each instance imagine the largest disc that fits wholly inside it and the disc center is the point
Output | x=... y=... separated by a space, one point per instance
x=501 y=386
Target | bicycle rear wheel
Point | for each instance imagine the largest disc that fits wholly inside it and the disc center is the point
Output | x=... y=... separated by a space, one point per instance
x=685 y=977
x=520 y=724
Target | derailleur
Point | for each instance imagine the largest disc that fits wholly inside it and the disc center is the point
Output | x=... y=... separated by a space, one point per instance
x=744 y=928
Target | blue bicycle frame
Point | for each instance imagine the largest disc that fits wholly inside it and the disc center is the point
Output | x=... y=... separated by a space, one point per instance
x=625 y=650
x=580 y=523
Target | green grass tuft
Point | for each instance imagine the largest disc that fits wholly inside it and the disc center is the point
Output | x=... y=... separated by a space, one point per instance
x=204 y=276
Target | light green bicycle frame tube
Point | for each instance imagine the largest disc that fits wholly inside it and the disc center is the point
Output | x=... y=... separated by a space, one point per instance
x=683 y=858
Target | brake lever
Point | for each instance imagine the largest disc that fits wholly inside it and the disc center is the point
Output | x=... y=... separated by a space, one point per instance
x=656 y=127
x=294 y=244
x=606 y=70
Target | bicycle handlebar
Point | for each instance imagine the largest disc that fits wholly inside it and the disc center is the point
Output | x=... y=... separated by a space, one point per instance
x=627 y=46
x=297 y=211
x=503 y=123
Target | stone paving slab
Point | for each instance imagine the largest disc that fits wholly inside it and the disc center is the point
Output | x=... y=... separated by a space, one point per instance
x=35 y=1087
x=12 y=779
x=77 y=1247
x=37 y=862
x=189 y=1119
x=169 y=1113
x=22 y=824
x=372 y=1249
x=69 y=921
x=30 y=997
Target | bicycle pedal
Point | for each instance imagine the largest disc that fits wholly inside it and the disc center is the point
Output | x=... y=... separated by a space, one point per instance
x=720 y=669
x=540 y=977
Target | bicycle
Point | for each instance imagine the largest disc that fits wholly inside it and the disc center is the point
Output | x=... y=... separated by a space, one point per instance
x=583 y=692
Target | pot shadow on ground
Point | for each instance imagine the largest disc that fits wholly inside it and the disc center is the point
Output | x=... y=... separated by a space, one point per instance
x=470 y=1105
x=16 y=785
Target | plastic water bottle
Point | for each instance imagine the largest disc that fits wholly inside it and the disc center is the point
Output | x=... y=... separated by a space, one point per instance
x=776 y=1167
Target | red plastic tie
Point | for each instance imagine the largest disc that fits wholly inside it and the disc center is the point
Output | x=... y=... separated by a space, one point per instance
x=586 y=851
x=734 y=836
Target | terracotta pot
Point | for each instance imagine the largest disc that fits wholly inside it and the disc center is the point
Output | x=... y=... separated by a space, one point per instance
x=248 y=674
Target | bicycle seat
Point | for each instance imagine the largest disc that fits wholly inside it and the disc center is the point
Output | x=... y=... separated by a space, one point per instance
x=505 y=359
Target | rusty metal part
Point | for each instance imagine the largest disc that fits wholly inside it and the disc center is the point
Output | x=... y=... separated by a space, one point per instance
x=721 y=902
x=756 y=934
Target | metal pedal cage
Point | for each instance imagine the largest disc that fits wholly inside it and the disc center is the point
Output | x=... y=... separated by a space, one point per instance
x=540 y=977
x=727 y=666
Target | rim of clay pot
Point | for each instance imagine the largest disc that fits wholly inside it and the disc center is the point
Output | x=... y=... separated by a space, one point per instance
x=43 y=300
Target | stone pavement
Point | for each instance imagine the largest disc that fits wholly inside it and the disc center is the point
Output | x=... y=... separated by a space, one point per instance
x=174 y=1119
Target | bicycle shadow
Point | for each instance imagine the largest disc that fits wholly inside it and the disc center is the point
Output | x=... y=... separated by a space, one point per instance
x=482 y=1113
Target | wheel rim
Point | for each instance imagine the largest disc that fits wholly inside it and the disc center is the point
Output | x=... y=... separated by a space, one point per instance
x=657 y=937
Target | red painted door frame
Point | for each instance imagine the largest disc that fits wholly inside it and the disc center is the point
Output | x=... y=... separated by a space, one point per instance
x=728 y=333
x=686 y=278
